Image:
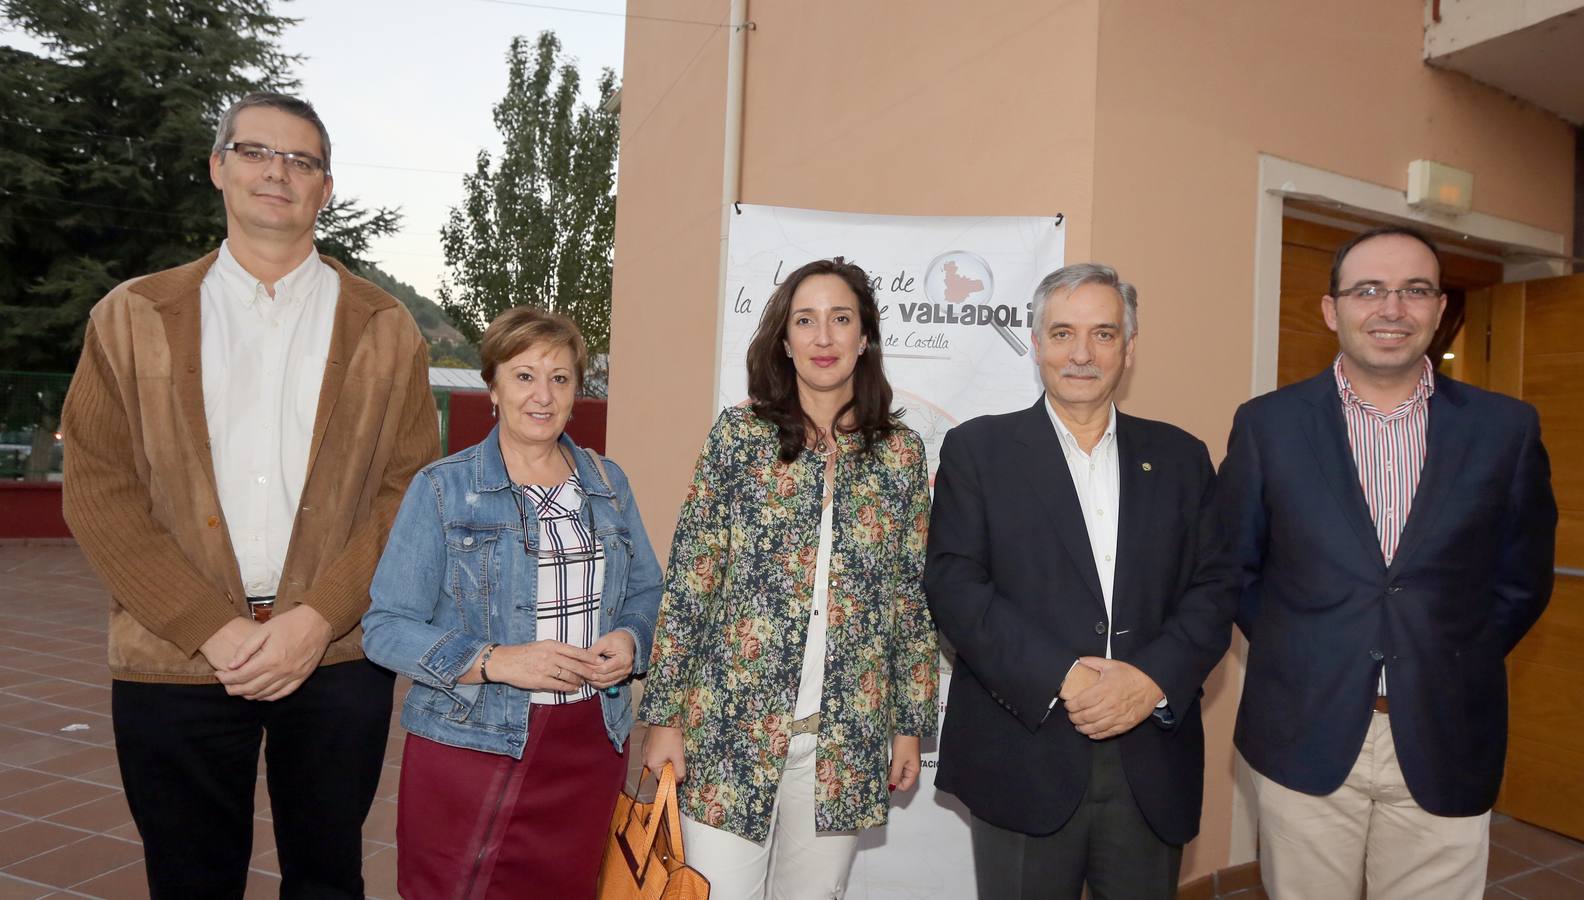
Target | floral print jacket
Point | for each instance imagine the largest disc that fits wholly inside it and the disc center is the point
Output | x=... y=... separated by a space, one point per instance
x=728 y=649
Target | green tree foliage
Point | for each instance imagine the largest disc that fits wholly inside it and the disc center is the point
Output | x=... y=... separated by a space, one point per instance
x=447 y=346
x=537 y=225
x=104 y=145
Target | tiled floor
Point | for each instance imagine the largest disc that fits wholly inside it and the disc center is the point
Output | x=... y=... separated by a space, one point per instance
x=64 y=826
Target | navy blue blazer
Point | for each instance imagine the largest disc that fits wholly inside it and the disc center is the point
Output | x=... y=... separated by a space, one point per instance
x=1013 y=587
x=1323 y=612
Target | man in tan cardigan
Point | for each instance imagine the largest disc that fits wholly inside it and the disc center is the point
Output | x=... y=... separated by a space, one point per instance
x=239 y=433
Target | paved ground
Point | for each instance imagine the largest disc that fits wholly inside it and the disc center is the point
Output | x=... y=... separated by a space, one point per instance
x=64 y=826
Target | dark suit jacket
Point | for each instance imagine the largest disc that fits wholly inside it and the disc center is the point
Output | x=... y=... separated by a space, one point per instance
x=1013 y=586
x=1323 y=612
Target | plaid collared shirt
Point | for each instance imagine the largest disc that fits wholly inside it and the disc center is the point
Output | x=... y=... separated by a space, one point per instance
x=1389 y=451
x=571 y=574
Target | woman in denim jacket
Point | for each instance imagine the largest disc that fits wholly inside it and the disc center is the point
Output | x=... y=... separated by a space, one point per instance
x=518 y=591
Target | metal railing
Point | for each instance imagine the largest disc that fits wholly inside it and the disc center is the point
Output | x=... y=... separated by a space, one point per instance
x=30 y=406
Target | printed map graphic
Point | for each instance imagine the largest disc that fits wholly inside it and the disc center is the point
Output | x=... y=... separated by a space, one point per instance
x=959 y=287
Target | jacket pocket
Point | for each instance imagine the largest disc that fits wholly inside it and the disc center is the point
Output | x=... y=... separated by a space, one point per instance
x=431 y=703
x=618 y=547
x=472 y=569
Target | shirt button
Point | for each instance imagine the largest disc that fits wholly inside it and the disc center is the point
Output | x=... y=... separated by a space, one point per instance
x=1377 y=655
x=467 y=542
x=1100 y=628
x=263 y=480
x=1100 y=512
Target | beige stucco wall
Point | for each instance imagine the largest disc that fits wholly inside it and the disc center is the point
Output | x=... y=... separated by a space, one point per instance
x=667 y=245
x=1141 y=121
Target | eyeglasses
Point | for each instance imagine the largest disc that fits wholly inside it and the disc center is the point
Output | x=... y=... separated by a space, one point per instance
x=305 y=164
x=551 y=554
x=1417 y=293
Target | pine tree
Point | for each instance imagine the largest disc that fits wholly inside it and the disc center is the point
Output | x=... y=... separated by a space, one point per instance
x=536 y=227
x=104 y=145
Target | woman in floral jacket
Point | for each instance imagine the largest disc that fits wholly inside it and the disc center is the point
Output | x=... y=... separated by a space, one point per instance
x=794 y=666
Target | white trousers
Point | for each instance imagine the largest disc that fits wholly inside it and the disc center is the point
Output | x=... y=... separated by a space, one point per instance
x=795 y=863
x=1368 y=832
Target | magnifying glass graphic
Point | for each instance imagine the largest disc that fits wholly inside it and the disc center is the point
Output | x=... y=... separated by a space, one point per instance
x=958 y=276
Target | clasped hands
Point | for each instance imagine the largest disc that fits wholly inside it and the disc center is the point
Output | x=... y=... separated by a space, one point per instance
x=268 y=660
x=551 y=665
x=1108 y=697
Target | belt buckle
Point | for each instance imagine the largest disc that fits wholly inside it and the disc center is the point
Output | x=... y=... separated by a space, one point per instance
x=806 y=725
x=261 y=609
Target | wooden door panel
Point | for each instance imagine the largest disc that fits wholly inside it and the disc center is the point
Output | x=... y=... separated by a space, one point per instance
x=1305 y=345
x=1553 y=313
x=1542 y=786
x=1554 y=641
x=1543 y=321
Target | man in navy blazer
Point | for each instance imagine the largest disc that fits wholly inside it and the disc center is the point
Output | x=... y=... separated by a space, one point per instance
x=1395 y=531
x=1075 y=565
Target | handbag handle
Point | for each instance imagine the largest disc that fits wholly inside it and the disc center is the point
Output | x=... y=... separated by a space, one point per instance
x=665 y=806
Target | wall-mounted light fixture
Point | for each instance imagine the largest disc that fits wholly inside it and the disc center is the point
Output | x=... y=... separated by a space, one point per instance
x=1437 y=187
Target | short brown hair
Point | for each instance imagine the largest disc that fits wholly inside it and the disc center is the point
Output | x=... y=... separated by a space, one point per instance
x=1370 y=235
x=521 y=327
x=286 y=103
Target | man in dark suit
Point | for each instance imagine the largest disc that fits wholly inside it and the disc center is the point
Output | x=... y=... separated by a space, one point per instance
x=1074 y=559
x=1396 y=532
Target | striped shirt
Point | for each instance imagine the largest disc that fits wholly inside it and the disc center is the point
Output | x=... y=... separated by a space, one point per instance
x=571 y=574
x=1389 y=453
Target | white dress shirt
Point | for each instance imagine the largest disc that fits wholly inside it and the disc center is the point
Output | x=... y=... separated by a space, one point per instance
x=1097 y=478
x=263 y=365
x=811 y=680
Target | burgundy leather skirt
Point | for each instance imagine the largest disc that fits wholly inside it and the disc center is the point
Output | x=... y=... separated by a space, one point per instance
x=477 y=826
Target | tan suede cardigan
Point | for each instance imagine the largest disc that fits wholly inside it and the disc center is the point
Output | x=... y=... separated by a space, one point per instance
x=139 y=490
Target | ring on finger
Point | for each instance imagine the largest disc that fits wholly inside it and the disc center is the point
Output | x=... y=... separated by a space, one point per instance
x=558 y=673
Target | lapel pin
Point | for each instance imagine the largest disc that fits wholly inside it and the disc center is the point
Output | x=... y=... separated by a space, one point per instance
x=1147 y=467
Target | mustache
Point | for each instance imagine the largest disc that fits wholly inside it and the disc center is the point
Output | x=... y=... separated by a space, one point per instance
x=1073 y=370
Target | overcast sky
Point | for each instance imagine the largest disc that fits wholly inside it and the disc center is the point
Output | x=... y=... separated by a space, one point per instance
x=408 y=84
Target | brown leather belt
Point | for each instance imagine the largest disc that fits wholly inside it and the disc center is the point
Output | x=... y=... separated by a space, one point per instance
x=1382 y=705
x=261 y=608
x=806 y=725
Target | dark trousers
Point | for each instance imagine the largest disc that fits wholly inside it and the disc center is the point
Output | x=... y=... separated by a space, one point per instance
x=189 y=763
x=1106 y=843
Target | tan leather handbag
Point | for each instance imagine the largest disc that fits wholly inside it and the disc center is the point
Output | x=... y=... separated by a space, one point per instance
x=643 y=857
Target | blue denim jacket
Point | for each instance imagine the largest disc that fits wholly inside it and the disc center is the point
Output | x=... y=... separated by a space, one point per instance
x=454 y=578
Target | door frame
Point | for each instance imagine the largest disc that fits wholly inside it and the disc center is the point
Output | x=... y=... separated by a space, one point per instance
x=1537 y=253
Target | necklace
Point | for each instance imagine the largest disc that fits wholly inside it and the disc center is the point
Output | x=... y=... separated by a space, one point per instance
x=821 y=448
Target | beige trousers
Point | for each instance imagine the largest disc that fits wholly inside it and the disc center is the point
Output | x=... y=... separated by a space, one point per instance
x=1368 y=833
x=796 y=863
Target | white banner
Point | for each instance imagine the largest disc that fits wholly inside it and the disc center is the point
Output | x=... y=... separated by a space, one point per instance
x=955 y=296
